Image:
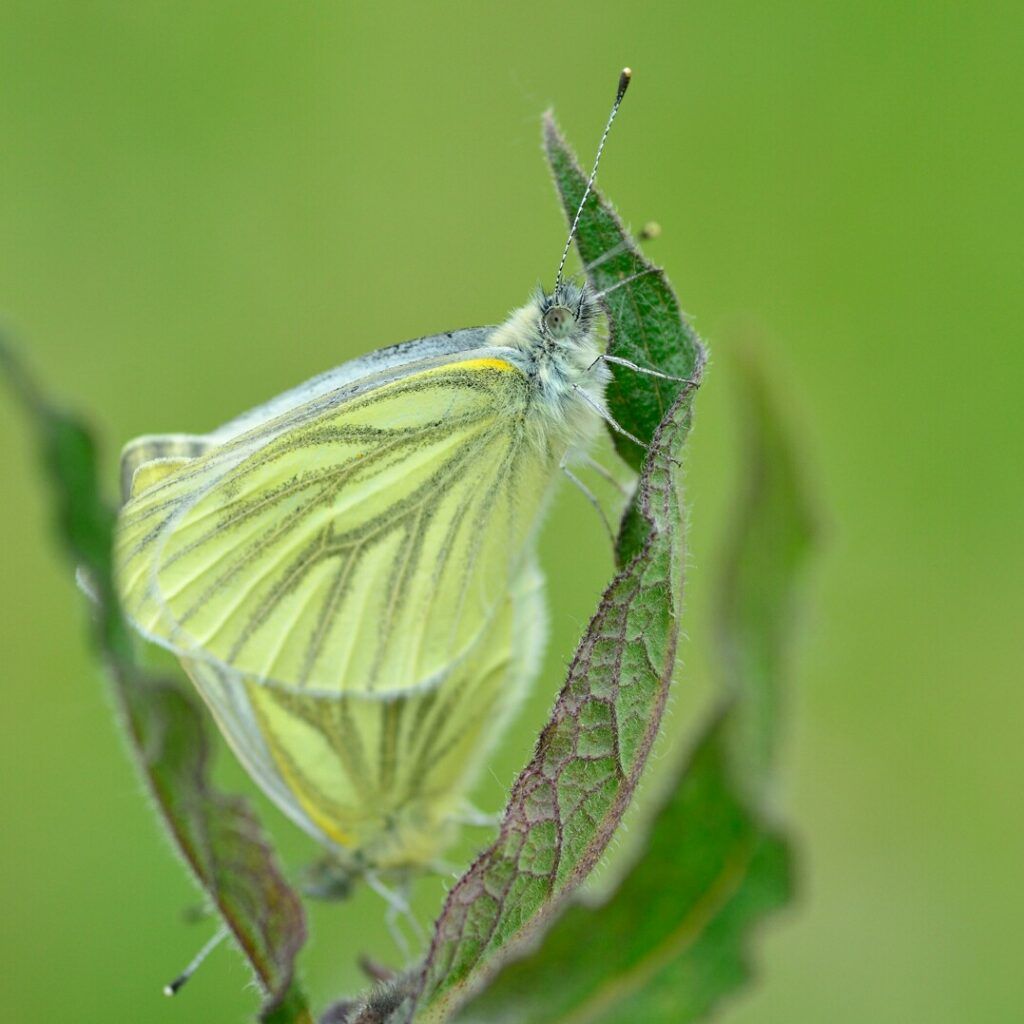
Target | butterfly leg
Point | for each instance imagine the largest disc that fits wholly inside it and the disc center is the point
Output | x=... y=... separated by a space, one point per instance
x=472 y=816
x=608 y=418
x=589 y=495
x=611 y=421
x=609 y=477
x=618 y=361
x=397 y=909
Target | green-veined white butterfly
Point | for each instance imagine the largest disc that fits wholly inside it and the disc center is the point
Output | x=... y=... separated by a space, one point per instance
x=347 y=572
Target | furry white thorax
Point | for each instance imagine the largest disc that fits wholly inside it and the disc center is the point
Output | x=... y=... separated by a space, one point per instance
x=554 y=340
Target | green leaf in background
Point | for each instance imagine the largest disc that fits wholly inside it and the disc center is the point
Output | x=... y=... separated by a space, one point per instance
x=669 y=944
x=648 y=327
x=218 y=835
x=770 y=541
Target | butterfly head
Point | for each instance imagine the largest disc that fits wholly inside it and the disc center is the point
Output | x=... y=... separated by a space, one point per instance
x=568 y=312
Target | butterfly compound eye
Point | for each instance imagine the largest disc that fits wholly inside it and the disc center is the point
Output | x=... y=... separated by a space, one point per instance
x=557 y=319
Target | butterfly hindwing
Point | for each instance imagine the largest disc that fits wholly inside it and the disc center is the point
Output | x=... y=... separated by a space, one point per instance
x=383 y=776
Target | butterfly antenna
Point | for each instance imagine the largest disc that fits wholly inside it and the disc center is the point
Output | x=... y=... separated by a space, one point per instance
x=175 y=986
x=624 y=79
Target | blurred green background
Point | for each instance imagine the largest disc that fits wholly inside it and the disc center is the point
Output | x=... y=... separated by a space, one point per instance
x=202 y=203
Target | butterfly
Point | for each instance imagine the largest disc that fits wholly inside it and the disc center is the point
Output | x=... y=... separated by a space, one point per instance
x=348 y=572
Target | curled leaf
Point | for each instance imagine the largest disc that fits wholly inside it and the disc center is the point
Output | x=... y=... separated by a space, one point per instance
x=671 y=941
x=566 y=803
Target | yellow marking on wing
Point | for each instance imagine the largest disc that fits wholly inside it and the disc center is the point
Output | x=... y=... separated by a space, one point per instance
x=484 y=363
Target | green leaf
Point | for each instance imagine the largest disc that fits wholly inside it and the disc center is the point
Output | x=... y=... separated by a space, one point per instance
x=648 y=327
x=665 y=947
x=218 y=835
x=770 y=542
x=670 y=943
x=567 y=802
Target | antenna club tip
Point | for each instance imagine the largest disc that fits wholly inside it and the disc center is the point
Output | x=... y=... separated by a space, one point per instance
x=624 y=79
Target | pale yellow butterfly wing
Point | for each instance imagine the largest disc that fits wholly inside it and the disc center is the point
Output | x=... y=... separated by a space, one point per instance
x=344 y=583
x=362 y=549
x=383 y=778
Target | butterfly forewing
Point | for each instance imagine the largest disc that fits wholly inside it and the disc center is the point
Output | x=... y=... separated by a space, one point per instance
x=361 y=548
